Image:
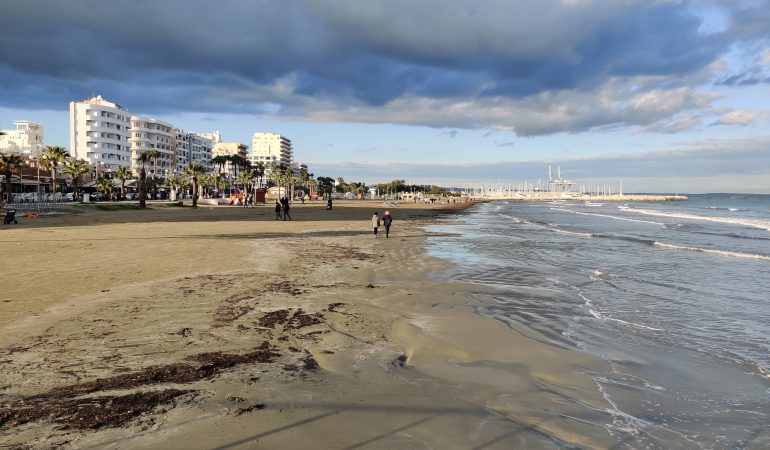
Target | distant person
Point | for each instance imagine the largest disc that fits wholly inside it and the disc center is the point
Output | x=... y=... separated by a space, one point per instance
x=286 y=208
x=387 y=219
x=278 y=208
x=329 y=203
x=251 y=201
x=375 y=223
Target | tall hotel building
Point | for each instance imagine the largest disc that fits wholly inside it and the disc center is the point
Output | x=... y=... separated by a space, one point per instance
x=271 y=147
x=99 y=132
x=152 y=135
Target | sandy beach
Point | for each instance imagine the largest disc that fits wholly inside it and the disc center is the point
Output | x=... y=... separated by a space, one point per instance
x=220 y=327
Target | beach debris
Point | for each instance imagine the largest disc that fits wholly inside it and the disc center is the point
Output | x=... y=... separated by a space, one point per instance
x=283 y=286
x=184 y=332
x=333 y=306
x=87 y=413
x=400 y=361
x=60 y=405
x=236 y=399
x=271 y=319
x=309 y=363
x=371 y=286
x=283 y=317
x=251 y=408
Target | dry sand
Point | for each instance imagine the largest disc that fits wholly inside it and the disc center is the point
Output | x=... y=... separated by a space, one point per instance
x=223 y=328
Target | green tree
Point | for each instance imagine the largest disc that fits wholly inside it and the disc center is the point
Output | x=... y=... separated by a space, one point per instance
x=105 y=187
x=143 y=159
x=123 y=173
x=326 y=184
x=10 y=162
x=194 y=170
x=75 y=168
x=51 y=159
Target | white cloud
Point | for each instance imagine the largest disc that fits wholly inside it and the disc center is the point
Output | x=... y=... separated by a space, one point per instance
x=742 y=117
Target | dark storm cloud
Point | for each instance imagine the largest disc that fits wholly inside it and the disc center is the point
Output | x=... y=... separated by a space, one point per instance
x=163 y=55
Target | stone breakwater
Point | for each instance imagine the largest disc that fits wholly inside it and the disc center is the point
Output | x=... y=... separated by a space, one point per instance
x=551 y=196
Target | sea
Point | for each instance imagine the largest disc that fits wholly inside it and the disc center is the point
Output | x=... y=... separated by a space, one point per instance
x=674 y=296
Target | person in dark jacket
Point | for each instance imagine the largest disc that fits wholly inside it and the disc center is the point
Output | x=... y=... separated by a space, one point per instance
x=278 y=210
x=286 y=208
x=387 y=219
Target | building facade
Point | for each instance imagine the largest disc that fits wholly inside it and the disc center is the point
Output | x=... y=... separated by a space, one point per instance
x=229 y=149
x=189 y=147
x=27 y=138
x=99 y=133
x=152 y=135
x=271 y=148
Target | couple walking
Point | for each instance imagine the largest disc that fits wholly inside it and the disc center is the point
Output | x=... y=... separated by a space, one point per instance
x=282 y=206
x=387 y=219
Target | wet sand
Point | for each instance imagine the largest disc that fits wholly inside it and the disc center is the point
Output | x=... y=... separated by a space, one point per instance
x=223 y=328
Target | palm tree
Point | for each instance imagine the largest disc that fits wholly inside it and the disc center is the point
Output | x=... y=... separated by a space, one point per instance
x=75 y=168
x=143 y=159
x=193 y=171
x=245 y=178
x=219 y=161
x=288 y=177
x=312 y=186
x=10 y=162
x=304 y=177
x=221 y=184
x=207 y=182
x=154 y=154
x=123 y=173
x=51 y=159
x=259 y=171
x=174 y=181
x=105 y=187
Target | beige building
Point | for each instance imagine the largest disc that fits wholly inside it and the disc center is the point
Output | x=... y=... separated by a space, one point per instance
x=27 y=138
x=229 y=148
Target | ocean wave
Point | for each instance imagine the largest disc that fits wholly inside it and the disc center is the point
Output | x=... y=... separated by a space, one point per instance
x=720 y=208
x=625 y=219
x=590 y=306
x=764 y=225
x=575 y=233
x=712 y=251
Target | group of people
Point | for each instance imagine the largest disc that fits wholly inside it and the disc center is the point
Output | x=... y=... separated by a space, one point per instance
x=282 y=208
x=386 y=221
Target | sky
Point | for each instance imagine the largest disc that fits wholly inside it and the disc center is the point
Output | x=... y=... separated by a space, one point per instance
x=667 y=95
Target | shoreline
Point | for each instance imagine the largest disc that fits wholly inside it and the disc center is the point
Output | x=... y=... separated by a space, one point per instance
x=361 y=349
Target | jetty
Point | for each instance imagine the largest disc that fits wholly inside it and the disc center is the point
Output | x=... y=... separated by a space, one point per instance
x=575 y=196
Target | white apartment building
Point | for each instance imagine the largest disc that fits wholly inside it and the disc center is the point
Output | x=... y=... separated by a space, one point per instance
x=148 y=135
x=99 y=132
x=271 y=147
x=189 y=147
x=26 y=138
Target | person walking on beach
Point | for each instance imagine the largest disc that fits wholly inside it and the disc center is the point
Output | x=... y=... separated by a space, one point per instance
x=278 y=210
x=387 y=219
x=286 y=208
x=329 y=203
x=375 y=223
